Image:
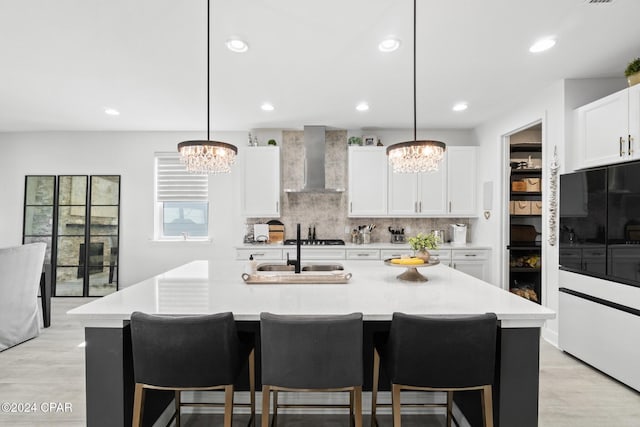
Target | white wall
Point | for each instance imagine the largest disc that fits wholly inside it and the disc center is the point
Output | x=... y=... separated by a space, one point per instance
x=131 y=155
x=554 y=107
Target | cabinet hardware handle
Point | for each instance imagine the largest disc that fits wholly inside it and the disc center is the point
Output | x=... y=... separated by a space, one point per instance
x=629 y=142
x=420 y=206
x=621 y=149
x=363 y=254
x=277 y=207
x=470 y=255
x=449 y=206
x=396 y=255
x=415 y=207
x=258 y=254
x=351 y=207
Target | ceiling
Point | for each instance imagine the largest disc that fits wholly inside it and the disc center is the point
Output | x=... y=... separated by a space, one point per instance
x=62 y=62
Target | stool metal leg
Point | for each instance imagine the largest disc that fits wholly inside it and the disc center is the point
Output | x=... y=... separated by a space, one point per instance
x=449 y=407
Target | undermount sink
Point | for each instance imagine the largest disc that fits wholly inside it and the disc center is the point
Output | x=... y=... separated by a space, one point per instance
x=275 y=267
x=322 y=267
x=308 y=267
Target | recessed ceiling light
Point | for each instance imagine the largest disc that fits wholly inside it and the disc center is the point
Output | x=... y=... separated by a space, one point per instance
x=460 y=106
x=237 y=45
x=363 y=106
x=267 y=107
x=389 y=44
x=542 y=45
x=111 y=111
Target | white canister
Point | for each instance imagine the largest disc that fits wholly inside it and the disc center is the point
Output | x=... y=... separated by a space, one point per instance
x=458 y=234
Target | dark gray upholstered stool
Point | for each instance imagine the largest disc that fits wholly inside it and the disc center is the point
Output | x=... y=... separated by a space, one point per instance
x=437 y=354
x=189 y=353
x=311 y=353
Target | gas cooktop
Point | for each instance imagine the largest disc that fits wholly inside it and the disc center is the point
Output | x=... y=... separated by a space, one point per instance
x=316 y=242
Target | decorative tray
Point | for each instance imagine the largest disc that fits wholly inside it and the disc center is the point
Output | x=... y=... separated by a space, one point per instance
x=302 y=279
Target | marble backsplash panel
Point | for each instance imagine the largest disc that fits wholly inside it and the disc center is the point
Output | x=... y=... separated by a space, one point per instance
x=327 y=212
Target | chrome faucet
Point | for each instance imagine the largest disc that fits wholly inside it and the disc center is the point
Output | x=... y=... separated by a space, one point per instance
x=296 y=262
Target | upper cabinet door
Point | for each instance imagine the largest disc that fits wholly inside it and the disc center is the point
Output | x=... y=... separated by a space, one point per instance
x=261 y=195
x=462 y=181
x=432 y=190
x=367 y=181
x=633 y=145
x=403 y=193
x=603 y=130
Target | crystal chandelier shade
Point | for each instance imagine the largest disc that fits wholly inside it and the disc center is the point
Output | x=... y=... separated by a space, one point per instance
x=415 y=156
x=207 y=157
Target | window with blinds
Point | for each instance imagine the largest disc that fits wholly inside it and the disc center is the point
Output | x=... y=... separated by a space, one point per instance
x=181 y=199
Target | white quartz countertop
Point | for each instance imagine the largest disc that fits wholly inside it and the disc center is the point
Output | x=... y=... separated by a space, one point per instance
x=377 y=245
x=202 y=287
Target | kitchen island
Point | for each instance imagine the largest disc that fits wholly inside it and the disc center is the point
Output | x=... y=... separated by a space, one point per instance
x=203 y=287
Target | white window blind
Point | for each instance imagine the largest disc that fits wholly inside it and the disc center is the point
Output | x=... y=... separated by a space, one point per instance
x=174 y=183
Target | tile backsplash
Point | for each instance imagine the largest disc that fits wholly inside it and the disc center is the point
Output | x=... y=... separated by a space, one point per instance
x=328 y=211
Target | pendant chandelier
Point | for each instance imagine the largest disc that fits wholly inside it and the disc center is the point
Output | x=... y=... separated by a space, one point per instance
x=207 y=157
x=417 y=155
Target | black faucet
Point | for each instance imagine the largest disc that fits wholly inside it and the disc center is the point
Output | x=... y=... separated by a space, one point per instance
x=296 y=262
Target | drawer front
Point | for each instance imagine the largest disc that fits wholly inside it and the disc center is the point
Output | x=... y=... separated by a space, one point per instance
x=443 y=254
x=395 y=253
x=259 y=254
x=469 y=254
x=363 y=254
x=315 y=253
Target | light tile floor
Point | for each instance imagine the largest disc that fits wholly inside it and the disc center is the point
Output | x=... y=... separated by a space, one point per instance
x=50 y=369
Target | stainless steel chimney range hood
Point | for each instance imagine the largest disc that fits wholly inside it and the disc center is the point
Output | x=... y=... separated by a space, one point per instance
x=314 y=163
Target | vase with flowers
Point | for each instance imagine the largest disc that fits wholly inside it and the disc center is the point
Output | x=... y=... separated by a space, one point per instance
x=422 y=243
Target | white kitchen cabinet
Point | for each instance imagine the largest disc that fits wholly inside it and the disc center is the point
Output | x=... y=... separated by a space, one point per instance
x=474 y=262
x=363 y=254
x=367 y=182
x=608 y=129
x=312 y=254
x=462 y=181
x=261 y=184
x=421 y=194
x=395 y=253
x=259 y=254
x=450 y=191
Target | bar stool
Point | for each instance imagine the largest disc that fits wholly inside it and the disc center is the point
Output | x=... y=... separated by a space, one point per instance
x=311 y=353
x=437 y=354
x=189 y=353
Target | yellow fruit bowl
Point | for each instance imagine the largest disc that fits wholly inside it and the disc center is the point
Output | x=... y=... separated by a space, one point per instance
x=411 y=264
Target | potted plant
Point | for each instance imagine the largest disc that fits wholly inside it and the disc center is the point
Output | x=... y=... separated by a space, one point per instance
x=633 y=72
x=422 y=242
x=272 y=142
